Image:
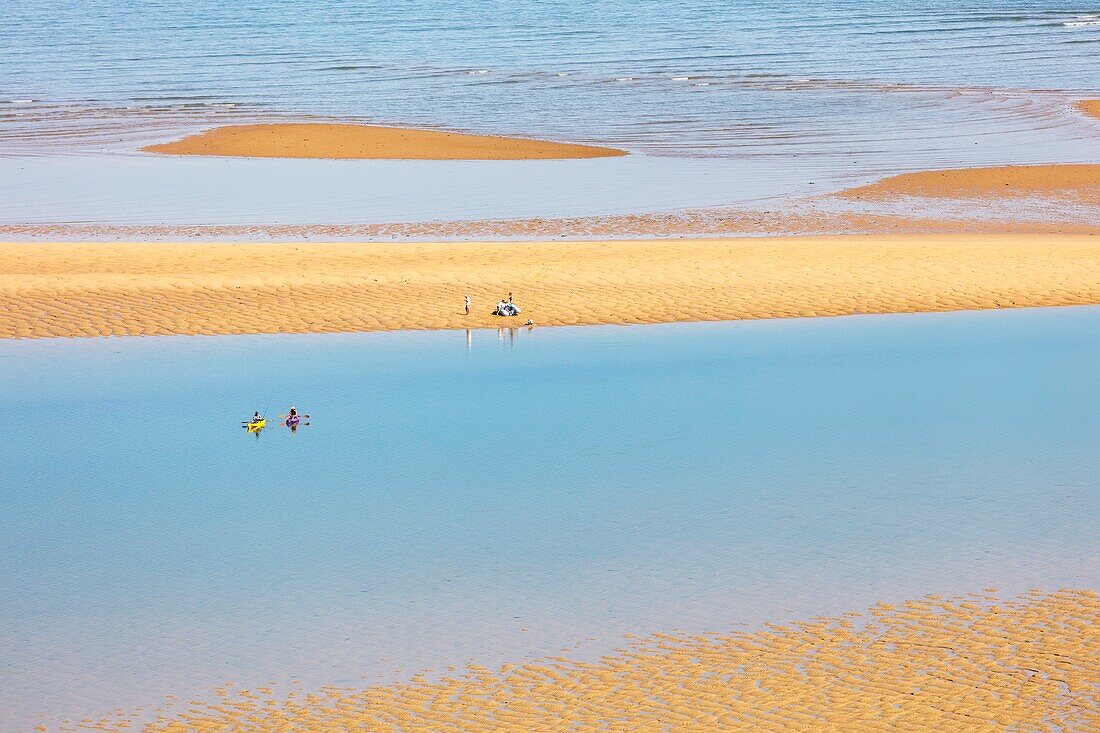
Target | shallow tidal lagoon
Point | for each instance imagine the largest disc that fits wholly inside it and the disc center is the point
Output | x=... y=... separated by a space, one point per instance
x=501 y=496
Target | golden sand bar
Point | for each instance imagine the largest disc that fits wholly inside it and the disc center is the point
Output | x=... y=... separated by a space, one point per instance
x=71 y=289
x=325 y=140
x=972 y=663
x=1090 y=107
x=1080 y=182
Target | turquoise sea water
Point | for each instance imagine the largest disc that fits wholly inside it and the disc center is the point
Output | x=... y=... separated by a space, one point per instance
x=494 y=496
x=738 y=101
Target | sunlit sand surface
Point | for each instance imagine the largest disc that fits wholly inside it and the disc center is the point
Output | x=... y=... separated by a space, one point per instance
x=1091 y=107
x=325 y=140
x=146 y=289
x=974 y=663
x=1081 y=182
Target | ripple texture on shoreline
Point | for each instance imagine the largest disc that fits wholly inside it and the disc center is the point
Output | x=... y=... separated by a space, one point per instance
x=61 y=290
x=976 y=663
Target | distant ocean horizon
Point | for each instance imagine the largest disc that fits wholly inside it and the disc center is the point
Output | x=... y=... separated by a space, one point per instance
x=826 y=90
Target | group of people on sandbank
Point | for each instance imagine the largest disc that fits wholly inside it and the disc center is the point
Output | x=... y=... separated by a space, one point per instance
x=503 y=308
x=506 y=307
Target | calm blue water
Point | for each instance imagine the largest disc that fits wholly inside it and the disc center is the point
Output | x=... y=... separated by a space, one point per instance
x=603 y=71
x=849 y=91
x=497 y=496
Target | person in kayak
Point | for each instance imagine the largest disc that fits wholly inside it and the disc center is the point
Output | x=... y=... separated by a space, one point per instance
x=292 y=420
x=256 y=417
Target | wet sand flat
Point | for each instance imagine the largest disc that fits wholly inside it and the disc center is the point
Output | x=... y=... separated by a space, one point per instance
x=80 y=289
x=360 y=142
x=813 y=217
x=976 y=663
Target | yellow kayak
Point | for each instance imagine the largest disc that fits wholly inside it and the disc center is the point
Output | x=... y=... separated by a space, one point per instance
x=258 y=425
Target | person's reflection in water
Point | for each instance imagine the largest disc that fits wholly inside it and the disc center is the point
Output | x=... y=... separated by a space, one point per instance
x=511 y=337
x=469 y=341
x=294 y=426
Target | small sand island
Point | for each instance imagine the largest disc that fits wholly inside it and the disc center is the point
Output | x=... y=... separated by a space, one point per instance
x=1080 y=182
x=369 y=142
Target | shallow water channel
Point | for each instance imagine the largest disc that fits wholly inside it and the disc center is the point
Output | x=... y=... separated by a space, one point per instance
x=496 y=496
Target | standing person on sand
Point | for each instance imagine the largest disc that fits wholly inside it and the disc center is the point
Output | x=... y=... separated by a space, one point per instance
x=467 y=305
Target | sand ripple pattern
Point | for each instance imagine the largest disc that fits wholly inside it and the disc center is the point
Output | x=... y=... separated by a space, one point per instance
x=58 y=290
x=974 y=663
